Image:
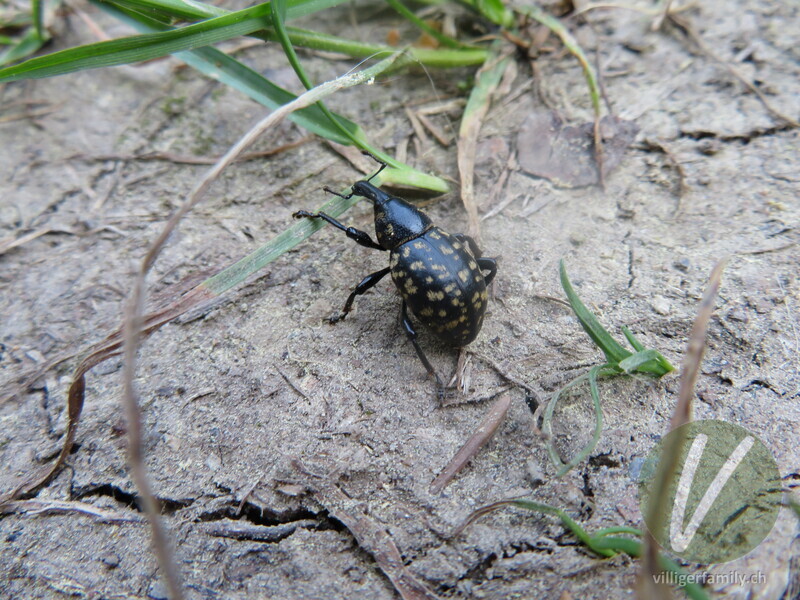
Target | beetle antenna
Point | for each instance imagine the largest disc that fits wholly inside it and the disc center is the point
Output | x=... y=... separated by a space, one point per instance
x=377 y=160
x=330 y=191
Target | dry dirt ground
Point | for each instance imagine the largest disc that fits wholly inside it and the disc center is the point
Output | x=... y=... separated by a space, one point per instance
x=232 y=397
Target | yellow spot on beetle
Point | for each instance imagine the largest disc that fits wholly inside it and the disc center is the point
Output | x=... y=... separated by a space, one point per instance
x=484 y=295
x=449 y=287
x=411 y=289
x=473 y=265
x=456 y=302
x=434 y=296
x=463 y=275
x=442 y=313
x=429 y=279
x=446 y=249
x=435 y=236
x=406 y=251
x=475 y=297
x=478 y=305
x=417 y=265
x=419 y=245
x=426 y=312
x=456 y=245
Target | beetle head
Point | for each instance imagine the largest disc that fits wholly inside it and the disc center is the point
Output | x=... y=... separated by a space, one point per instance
x=396 y=221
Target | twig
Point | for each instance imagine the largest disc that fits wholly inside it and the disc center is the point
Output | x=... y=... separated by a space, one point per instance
x=40 y=507
x=484 y=432
x=292 y=384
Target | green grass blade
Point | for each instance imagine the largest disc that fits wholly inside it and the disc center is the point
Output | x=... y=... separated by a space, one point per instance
x=25 y=46
x=635 y=361
x=195 y=11
x=598 y=423
x=141 y=47
x=568 y=522
x=634 y=548
x=283 y=242
x=37 y=8
x=436 y=58
x=443 y=39
x=602 y=339
x=635 y=344
x=493 y=10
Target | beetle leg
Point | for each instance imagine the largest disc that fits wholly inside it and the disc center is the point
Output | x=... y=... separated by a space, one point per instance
x=360 y=237
x=368 y=282
x=473 y=245
x=408 y=326
x=488 y=264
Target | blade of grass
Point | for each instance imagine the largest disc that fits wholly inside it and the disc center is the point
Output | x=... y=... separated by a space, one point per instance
x=547 y=418
x=278 y=18
x=139 y=48
x=493 y=10
x=437 y=58
x=25 y=46
x=443 y=39
x=613 y=351
x=194 y=10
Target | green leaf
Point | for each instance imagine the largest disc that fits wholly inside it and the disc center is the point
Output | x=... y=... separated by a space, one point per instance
x=193 y=11
x=602 y=339
x=634 y=361
x=27 y=45
x=141 y=47
x=493 y=10
x=636 y=344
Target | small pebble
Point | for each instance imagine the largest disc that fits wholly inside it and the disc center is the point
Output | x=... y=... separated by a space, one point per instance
x=660 y=305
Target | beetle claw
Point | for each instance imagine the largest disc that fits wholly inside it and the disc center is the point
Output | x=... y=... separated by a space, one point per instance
x=336 y=319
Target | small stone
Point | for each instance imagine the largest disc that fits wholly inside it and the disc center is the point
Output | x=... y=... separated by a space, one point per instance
x=682 y=264
x=738 y=314
x=661 y=305
x=709 y=146
x=110 y=560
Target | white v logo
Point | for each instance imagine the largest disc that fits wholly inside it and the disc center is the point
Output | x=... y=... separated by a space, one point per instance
x=680 y=539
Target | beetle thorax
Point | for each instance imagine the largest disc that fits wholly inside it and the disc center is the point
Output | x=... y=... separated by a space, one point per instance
x=397 y=222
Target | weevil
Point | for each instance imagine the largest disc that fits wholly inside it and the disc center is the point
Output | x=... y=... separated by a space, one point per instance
x=441 y=277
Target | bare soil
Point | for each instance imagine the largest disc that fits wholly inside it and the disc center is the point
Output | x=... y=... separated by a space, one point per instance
x=232 y=397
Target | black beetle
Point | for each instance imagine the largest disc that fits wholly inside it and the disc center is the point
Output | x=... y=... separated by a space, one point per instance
x=439 y=275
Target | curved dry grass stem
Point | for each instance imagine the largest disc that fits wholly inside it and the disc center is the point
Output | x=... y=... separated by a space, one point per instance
x=690 y=369
x=134 y=319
